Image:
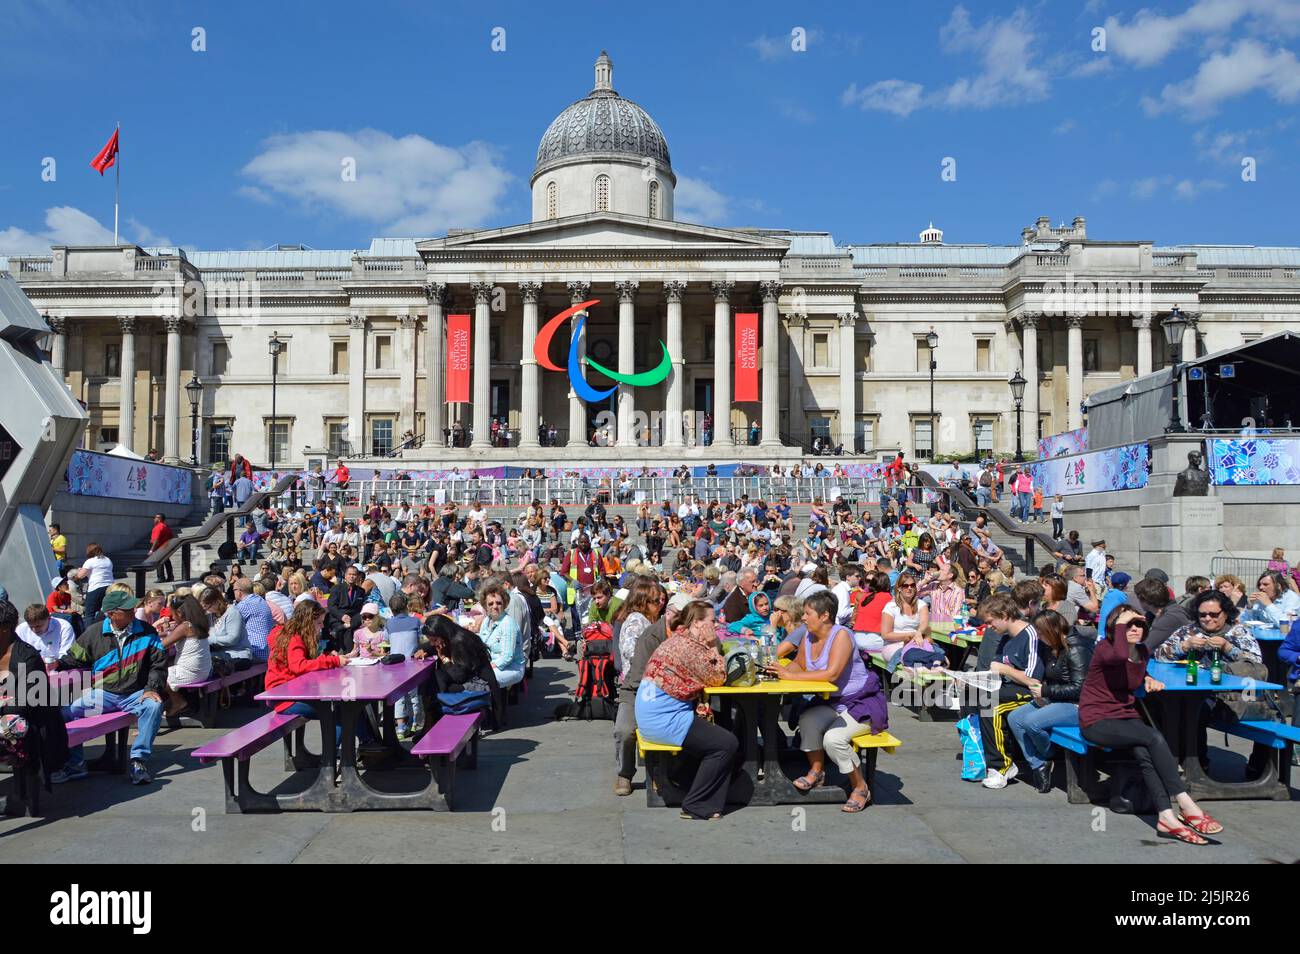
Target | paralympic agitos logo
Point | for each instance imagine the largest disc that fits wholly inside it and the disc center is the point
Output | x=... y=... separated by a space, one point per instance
x=542 y=347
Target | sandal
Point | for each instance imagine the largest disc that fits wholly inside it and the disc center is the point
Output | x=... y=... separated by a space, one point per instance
x=1202 y=824
x=857 y=802
x=1180 y=834
x=687 y=816
x=806 y=783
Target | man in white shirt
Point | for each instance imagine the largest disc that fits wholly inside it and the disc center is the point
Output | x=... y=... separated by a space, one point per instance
x=48 y=635
x=843 y=591
x=1095 y=562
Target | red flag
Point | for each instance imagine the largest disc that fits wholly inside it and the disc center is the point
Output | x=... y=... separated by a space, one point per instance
x=105 y=158
x=746 y=356
x=458 y=359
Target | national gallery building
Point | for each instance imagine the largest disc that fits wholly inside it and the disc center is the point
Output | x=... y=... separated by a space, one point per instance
x=761 y=341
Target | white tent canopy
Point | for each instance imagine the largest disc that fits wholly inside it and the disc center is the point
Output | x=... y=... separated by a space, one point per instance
x=120 y=451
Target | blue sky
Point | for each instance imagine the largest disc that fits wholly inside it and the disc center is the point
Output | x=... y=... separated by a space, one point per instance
x=240 y=146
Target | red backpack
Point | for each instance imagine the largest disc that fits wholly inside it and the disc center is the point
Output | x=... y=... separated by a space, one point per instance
x=595 y=696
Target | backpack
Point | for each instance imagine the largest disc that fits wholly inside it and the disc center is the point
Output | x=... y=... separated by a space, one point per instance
x=595 y=696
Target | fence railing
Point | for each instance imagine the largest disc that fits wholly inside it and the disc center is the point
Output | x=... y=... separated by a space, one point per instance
x=1248 y=569
x=573 y=490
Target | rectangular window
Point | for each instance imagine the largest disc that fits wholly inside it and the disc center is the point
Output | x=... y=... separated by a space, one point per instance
x=983 y=437
x=219 y=439
x=922 y=355
x=819 y=427
x=1090 y=355
x=220 y=358
x=866 y=435
x=983 y=354
x=338 y=357
x=922 y=443
x=1249 y=337
x=862 y=354
x=108 y=435
x=821 y=351
x=384 y=352
x=336 y=436
x=112 y=359
x=277 y=442
x=381 y=437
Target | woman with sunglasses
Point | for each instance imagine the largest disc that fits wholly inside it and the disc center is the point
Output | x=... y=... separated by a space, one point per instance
x=904 y=619
x=1214 y=629
x=1108 y=717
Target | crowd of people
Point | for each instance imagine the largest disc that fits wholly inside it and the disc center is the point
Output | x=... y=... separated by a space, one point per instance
x=667 y=585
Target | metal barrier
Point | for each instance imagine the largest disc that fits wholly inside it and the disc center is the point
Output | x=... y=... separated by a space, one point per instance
x=1248 y=569
x=576 y=490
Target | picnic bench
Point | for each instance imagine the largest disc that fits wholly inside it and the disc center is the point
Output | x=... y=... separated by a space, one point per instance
x=234 y=749
x=209 y=694
x=452 y=739
x=655 y=756
x=1276 y=735
x=869 y=746
x=112 y=727
x=920 y=680
x=1079 y=761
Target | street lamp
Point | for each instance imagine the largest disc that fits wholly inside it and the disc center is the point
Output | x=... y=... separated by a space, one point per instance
x=275 y=347
x=932 y=342
x=1018 y=384
x=1174 y=326
x=194 y=391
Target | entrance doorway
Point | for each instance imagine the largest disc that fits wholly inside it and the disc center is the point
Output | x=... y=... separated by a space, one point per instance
x=602 y=414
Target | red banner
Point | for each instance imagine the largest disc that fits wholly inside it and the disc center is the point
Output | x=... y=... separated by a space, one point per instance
x=459 y=337
x=746 y=356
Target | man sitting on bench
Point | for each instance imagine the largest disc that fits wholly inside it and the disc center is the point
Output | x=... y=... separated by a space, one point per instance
x=130 y=668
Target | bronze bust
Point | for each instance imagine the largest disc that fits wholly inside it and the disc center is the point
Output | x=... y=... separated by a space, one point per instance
x=1192 y=482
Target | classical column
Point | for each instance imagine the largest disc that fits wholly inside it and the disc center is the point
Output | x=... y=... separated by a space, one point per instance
x=627 y=433
x=771 y=436
x=798 y=382
x=1029 y=350
x=1143 y=326
x=482 y=391
x=1074 y=374
x=126 y=389
x=578 y=293
x=1189 y=335
x=672 y=421
x=529 y=416
x=172 y=392
x=722 y=363
x=848 y=383
x=357 y=382
x=407 y=357
x=434 y=365
x=58 y=345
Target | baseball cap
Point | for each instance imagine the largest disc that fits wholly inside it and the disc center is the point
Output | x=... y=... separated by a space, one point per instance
x=1120 y=580
x=56 y=582
x=808 y=568
x=119 y=600
x=370 y=609
x=1155 y=573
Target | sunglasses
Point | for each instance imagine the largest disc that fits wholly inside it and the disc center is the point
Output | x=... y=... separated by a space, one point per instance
x=367 y=615
x=1209 y=614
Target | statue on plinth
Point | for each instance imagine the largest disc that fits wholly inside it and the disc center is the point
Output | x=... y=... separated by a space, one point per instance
x=1192 y=482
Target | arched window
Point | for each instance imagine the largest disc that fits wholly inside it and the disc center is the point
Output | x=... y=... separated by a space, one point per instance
x=552 y=200
x=654 y=200
x=602 y=193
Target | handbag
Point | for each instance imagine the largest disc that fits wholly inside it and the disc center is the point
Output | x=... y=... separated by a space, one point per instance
x=740 y=669
x=973 y=765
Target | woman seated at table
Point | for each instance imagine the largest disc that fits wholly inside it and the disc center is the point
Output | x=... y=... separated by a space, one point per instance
x=1216 y=630
x=1233 y=587
x=977 y=588
x=295 y=650
x=501 y=636
x=671 y=709
x=1109 y=717
x=947 y=597
x=904 y=618
x=868 y=614
x=858 y=706
x=187 y=630
x=464 y=663
x=1273 y=601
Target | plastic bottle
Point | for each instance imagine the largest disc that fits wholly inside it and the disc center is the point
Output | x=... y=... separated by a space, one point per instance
x=1192 y=668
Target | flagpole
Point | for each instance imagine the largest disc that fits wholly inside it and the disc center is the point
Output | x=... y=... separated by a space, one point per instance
x=117 y=181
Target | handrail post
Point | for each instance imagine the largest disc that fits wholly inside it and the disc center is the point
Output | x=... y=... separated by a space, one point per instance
x=139 y=582
x=185 y=561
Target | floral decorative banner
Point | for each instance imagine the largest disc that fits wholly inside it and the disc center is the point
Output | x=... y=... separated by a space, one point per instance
x=104 y=475
x=1255 y=462
x=1063 y=445
x=1117 y=468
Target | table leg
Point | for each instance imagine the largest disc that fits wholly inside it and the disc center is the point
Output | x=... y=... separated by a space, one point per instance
x=776 y=787
x=1183 y=731
x=353 y=792
x=321 y=795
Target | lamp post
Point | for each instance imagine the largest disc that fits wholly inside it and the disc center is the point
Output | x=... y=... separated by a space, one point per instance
x=275 y=347
x=1174 y=326
x=194 y=391
x=1018 y=383
x=932 y=342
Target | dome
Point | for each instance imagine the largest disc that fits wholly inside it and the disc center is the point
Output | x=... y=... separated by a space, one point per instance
x=603 y=125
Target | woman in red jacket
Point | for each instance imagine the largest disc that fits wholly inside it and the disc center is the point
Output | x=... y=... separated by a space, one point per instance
x=294 y=651
x=1108 y=717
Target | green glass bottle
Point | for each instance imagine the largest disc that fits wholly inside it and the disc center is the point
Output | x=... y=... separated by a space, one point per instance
x=1216 y=669
x=1192 y=668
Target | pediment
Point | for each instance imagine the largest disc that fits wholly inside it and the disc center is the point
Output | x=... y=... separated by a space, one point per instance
x=600 y=230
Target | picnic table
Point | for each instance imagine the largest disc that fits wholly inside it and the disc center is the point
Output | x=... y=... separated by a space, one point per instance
x=957 y=643
x=1270 y=640
x=340 y=696
x=762 y=701
x=1181 y=706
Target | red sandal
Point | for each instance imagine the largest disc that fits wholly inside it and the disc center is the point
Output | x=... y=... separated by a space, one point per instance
x=1202 y=824
x=1180 y=834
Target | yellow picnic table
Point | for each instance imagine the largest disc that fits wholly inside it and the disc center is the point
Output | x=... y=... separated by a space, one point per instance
x=777 y=687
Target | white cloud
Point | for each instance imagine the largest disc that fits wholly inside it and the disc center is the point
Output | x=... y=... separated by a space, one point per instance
x=1065 y=127
x=694 y=200
x=1149 y=37
x=892 y=96
x=1148 y=187
x=794 y=112
x=1153 y=186
x=1008 y=73
x=407 y=186
x=778 y=47
x=66 y=225
x=1187 y=189
x=1225 y=146
x=1105 y=188
x=1248 y=67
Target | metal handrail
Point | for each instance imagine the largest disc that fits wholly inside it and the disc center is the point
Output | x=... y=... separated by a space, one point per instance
x=967 y=505
x=200 y=534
